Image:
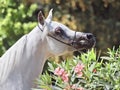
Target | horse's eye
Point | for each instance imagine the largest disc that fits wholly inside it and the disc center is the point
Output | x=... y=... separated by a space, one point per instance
x=58 y=31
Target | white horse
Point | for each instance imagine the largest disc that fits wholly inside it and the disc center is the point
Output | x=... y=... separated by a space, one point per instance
x=24 y=61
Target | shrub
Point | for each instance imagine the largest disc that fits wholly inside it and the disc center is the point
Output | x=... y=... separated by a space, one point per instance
x=16 y=19
x=84 y=72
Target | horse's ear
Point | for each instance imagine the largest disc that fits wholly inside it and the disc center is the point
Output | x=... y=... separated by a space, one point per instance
x=49 y=17
x=41 y=18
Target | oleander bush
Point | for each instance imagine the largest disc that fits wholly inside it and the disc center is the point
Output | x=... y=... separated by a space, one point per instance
x=86 y=72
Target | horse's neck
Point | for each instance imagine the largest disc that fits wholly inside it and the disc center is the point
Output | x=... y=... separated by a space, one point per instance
x=36 y=51
x=25 y=59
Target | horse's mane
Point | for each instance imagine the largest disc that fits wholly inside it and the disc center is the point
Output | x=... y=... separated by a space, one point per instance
x=11 y=58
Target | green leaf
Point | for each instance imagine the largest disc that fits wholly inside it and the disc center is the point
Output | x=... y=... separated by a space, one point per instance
x=92 y=67
x=51 y=68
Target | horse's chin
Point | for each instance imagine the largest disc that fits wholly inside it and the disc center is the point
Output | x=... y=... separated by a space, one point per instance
x=84 y=45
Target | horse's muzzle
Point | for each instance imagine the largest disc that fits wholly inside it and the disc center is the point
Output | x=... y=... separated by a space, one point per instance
x=84 y=41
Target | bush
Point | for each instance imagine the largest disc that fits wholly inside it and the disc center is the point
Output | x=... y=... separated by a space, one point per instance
x=16 y=19
x=84 y=72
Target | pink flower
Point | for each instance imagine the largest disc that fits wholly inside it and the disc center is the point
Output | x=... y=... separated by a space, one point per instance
x=94 y=70
x=59 y=71
x=65 y=77
x=73 y=86
x=81 y=88
x=56 y=72
x=79 y=67
x=79 y=74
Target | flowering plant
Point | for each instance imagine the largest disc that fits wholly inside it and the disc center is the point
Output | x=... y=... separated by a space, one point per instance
x=84 y=72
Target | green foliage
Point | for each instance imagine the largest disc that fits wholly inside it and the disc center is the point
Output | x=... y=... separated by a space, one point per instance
x=16 y=20
x=44 y=82
x=97 y=75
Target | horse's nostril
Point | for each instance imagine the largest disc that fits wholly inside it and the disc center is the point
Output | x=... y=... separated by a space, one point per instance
x=89 y=36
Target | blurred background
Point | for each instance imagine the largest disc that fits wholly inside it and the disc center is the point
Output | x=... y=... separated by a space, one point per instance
x=100 y=17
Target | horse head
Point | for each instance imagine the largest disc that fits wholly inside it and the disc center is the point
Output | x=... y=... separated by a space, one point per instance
x=60 y=38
